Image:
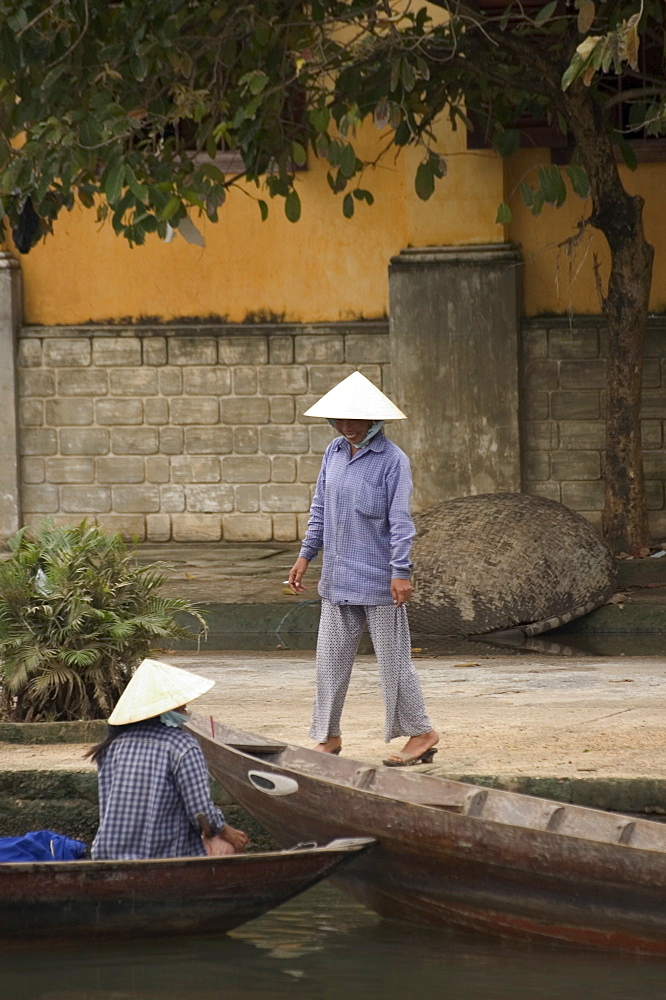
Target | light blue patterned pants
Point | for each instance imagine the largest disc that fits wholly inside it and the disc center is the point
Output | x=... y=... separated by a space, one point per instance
x=340 y=630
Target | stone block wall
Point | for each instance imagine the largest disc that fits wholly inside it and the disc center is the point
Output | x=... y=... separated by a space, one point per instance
x=197 y=433
x=563 y=402
x=182 y=433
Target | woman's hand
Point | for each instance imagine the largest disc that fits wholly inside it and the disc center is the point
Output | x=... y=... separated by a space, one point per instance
x=401 y=591
x=228 y=841
x=217 y=847
x=296 y=575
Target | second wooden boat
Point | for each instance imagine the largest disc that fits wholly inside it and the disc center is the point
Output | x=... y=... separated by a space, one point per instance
x=454 y=854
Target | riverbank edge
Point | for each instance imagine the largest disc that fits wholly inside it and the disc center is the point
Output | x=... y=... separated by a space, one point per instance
x=66 y=800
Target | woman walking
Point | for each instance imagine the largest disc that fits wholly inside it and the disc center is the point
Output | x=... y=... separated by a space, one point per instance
x=360 y=517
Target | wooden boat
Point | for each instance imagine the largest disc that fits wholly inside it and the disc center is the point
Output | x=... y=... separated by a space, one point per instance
x=84 y=899
x=458 y=855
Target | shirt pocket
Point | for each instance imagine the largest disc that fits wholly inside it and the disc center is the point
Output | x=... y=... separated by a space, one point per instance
x=370 y=500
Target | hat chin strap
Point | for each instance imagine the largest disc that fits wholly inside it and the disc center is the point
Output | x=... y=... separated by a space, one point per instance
x=373 y=429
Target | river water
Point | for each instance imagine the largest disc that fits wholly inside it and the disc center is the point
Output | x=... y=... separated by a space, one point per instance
x=324 y=946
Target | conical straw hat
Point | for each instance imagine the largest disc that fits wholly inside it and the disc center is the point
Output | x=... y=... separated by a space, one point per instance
x=156 y=687
x=355 y=398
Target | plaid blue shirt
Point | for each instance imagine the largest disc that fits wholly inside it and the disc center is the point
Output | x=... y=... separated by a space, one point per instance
x=153 y=781
x=360 y=516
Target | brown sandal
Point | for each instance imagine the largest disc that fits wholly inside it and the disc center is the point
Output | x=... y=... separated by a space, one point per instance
x=407 y=760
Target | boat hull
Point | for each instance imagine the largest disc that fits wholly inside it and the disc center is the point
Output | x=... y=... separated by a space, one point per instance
x=111 y=899
x=533 y=870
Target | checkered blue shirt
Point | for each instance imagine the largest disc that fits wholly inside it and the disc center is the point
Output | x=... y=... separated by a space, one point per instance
x=153 y=781
x=360 y=516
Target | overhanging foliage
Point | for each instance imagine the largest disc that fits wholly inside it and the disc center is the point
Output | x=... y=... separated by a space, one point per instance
x=125 y=105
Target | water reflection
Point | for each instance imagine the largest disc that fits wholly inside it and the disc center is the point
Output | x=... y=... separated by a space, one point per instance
x=322 y=946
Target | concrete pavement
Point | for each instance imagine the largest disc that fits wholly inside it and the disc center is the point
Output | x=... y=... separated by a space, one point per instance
x=581 y=729
x=554 y=720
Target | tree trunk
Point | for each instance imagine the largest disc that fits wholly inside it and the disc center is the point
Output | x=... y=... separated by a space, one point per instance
x=619 y=216
x=625 y=522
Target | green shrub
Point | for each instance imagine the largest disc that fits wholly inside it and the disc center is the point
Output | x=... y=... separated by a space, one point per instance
x=76 y=617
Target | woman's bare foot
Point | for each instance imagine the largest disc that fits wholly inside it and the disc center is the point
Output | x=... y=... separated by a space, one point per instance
x=332 y=745
x=416 y=745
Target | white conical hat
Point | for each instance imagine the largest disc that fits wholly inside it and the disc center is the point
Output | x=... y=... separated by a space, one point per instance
x=156 y=687
x=355 y=398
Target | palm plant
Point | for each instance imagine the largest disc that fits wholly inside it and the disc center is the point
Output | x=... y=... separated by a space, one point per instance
x=76 y=617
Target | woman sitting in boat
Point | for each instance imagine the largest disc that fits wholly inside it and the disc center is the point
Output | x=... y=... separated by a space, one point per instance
x=154 y=788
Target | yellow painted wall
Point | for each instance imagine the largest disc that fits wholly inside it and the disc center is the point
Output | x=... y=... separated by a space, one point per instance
x=559 y=271
x=323 y=268
x=326 y=267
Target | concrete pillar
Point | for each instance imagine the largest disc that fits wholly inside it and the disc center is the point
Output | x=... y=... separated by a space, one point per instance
x=10 y=321
x=454 y=319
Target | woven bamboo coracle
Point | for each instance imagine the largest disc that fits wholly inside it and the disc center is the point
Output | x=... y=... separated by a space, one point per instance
x=505 y=561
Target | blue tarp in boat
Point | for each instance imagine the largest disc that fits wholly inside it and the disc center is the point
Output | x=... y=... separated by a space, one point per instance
x=41 y=845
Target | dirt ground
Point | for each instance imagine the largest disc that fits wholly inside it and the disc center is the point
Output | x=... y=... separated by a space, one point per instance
x=497 y=715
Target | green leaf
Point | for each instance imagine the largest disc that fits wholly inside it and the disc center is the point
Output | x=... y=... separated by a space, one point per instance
x=255 y=81
x=507 y=141
x=424 y=182
x=334 y=153
x=552 y=186
x=348 y=160
x=86 y=198
x=457 y=112
x=258 y=82
x=322 y=145
x=423 y=68
x=211 y=146
x=172 y=206
x=292 y=206
x=407 y=75
x=537 y=203
x=579 y=180
x=503 y=214
x=263 y=208
x=362 y=195
x=395 y=72
x=212 y=171
x=403 y=134
x=139 y=67
x=320 y=118
x=545 y=13
x=140 y=190
x=572 y=71
x=18 y=20
x=348 y=206
x=527 y=194
x=113 y=179
x=298 y=154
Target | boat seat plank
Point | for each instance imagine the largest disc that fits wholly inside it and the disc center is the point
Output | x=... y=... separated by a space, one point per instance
x=475 y=801
x=514 y=810
x=373 y=779
x=592 y=824
x=648 y=835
